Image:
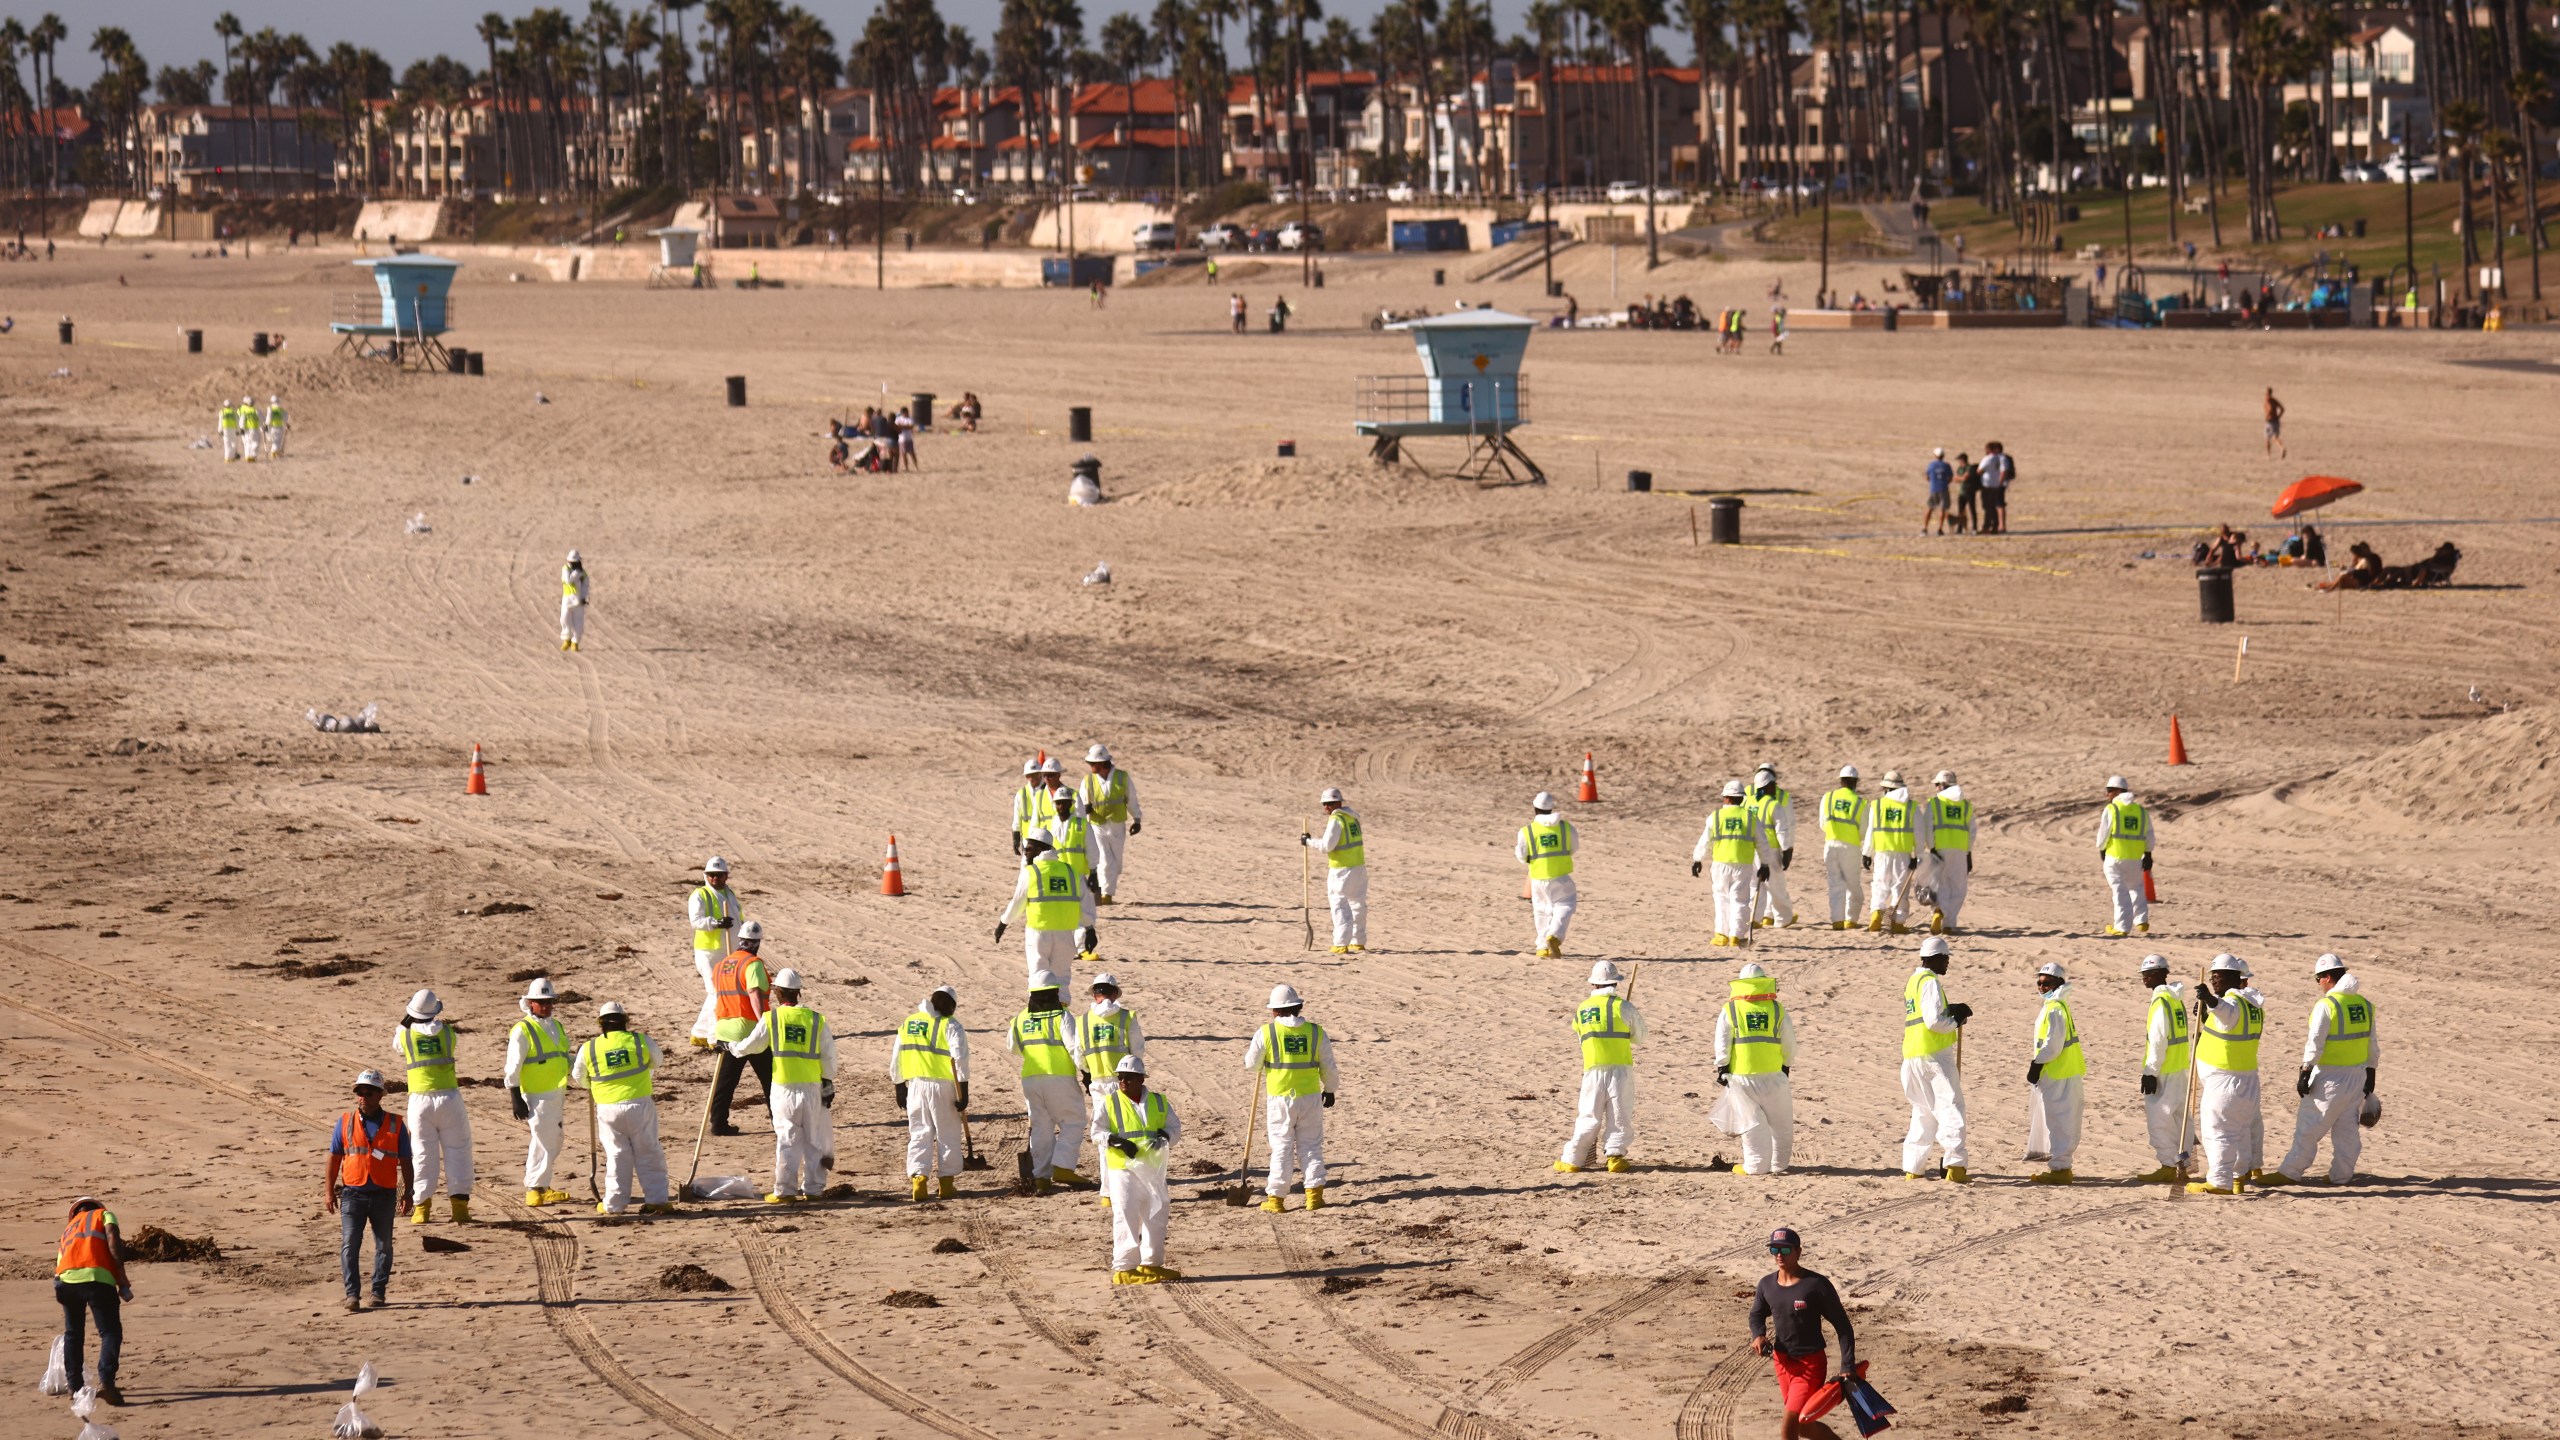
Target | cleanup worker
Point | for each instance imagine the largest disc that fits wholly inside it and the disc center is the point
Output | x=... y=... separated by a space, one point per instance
x=1788 y=1311
x=1892 y=851
x=227 y=421
x=437 y=1121
x=1844 y=827
x=89 y=1279
x=803 y=1090
x=1932 y=1035
x=1052 y=1094
x=1732 y=841
x=537 y=1076
x=1049 y=897
x=2165 y=1042
x=1775 y=810
x=1071 y=836
x=1755 y=1061
x=712 y=910
x=2228 y=1118
x=2054 y=1074
x=1295 y=1059
x=274 y=423
x=1107 y=1033
x=1610 y=1030
x=1139 y=1127
x=1111 y=802
x=369 y=1170
x=740 y=996
x=1346 y=872
x=2124 y=847
x=929 y=1061
x=1949 y=820
x=1547 y=845
x=2339 y=1055
x=248 y=427
x=573 y=602
x=1030 y=803
x=619 y=1068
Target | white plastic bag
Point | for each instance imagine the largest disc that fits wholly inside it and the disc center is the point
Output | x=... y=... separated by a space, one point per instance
x=352 y=1423
x=726 y=1187
x=55 y=1381
x=1732 y=1113
x=83 y=1406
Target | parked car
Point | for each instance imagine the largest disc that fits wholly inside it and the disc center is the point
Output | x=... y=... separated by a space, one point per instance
x=1221 y=236
x=1298 y=236
x=1400 y=194
x=1156 y=235
x=2399 y=168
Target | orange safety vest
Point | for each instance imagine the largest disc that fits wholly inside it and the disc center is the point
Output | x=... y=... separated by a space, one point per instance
x=729 y=986
x=370 y=1162
x=84 y=1244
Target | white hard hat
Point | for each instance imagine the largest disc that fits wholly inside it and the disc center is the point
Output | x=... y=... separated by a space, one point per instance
x=752 y=930
x=1938 y=452
x=1284 y=997
x=1130 y=1065
x=1751 y=970
x=1064 y=795
x=1542 y=802
x=2052 y=968
x=370 y=1077
x=786 y=978
x=1051 y=766
x=1765 y=767
x=1936 y=945
x=1100 y=754
x=1893 y=777
x=1031 y=766
x=1733 y=789
x=611 y=1009
x=1105 y=981
x=1604 y=973
x=2116 y=782
x=1332 y=795
x=541 y=989
x=2154 y=962
x=1043 y=980
x=946 y=990
x=425 y=1005
x=715 y=866
x=1848 y=772
x=573 y=557
x=1039 y=837
x=1953 y=792
x=1944 y=777
x=2329 y=964
x=2232 y=964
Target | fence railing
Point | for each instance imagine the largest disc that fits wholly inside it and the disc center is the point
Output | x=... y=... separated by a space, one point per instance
x=1419 y=398
x=364 y=307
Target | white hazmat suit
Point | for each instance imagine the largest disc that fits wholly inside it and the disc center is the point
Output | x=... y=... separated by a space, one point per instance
x=1605 y=1118
x=439 y=1128
x=2336 y=1100
x=1776 y=811
x=2054 y=1106
x=1767 y=1100
x=804 y=1132
x=627 y=1130
x=1551 y=901
x=1054 y=1104
x=2228 y=1116
x=1346 y=887
x=2164 y=1110
x=1141 y=1200
x=1889 y=884
x=934 y=1142
x=1294 y=1123
x=1934 y=1086
x=2129 y=905
x=543 y=1111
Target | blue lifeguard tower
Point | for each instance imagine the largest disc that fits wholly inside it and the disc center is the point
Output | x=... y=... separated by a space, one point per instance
x=1470 y=386
x=400 y=322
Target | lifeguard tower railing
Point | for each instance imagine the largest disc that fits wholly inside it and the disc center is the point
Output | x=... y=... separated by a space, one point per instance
x=1424 y=400
x=362 y=310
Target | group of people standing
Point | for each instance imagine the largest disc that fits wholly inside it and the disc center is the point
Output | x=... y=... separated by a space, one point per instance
x=246 y=430
x=1969 y=495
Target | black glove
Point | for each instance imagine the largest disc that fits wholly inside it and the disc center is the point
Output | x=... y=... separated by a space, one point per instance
x=964 y=1094
x=1866 y=862
x=1093 y=883
x=2035 y=1071
x=2368 y=1079
x=827 y=1093
x=1328 y=1099
x=1934 y=855
x=516 y=1105
x=1017 y=842
x=2302 y=1082
x=1786 y=1069
x=1968 y=862
x=1787 y=858
x=1724 y=1074
x=1160 y=1138
x=1305 y=839
x=1961 y=1013
x=902 y=1094
x=1696 y=868
x=2150 y=1084
x=2146 y=864
x=1092 y=941
x=1762 y=874
x=1137 y=825
x=1000 y=926
x=1125 y=1145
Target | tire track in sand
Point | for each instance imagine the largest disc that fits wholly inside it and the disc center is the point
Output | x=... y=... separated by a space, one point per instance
x=786 y=1312
x=1708 y=1412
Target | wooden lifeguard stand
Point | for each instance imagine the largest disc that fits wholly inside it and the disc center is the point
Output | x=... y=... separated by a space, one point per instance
x=1470 y=387
x=403 y=321
x=677 y=267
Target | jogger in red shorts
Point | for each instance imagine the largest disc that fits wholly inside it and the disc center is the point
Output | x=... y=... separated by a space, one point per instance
x=1787 y=1315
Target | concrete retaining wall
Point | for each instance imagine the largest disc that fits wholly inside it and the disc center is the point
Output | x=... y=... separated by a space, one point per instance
x=1106 y=225
x=410 y=220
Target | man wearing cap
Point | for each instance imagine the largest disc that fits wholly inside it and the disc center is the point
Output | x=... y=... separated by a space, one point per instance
x=1932 y=1040
x=1774 y=809
x=1892 y=849
x=1071 y=839
x=368 y=1171
x=1732 y=842
x=1052 y=1094
x=537 y=1076
x=1610 y=1030
x=1103 y=1036
x=1788 y=1311
x=1294 y=1057
x=713 y=911
x=1346 y=872
x=801 y=1091
x=741 y=996
x=1051 y=900
x=573 y=602
x=2228 y=1118
x=2124 y=850
x=1139 y=1126
x=619 y=1068
x=1844 y=828
x=929 y=1064
x=1948 y=818
x=89 y=1279
x=1111 y=801
x=1547 y=845
x=2165 y=1042
x=2054 y=1072
x=1755 y=1058
x=2339 y=1054
x=425 y=1045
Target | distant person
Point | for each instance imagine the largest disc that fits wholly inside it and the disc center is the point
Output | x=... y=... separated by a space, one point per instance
x=2275 y=424
x=1788 y=1311
x=1778 y=331
x=574 y=594
x=1968 y=514
x=369 y=1172
x=1941 y=477
x=89 y=1279
x=968 y=412
x=1572 y=310
x=1235 y=311
x=906 y=428
x=1996 y=473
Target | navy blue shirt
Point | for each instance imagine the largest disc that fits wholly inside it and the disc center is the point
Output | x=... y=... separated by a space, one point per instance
x=1940 y=474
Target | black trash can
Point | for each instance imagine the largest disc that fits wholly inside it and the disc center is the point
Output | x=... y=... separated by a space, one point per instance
x=1724 y=519
x=1319 y=278
x=2359 y=227
x=258 y=344
x=1893 y=317
x=1439 y=277
x=457 y=361
x=1288 y=449
x=737 y=392
x=920 y=405
x=2213 y=596
x=1080 y=424
x=475 y=363
x=195 y=342
x=66 y=330
x=1640 y=482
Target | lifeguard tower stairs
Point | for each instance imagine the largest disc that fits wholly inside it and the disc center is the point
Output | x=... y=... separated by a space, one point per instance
x=403 y=321
x=1470 y=388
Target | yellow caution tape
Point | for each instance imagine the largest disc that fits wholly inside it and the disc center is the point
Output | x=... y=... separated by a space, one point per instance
x=1838 y=554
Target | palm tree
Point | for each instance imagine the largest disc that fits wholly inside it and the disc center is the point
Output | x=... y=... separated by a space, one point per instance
x=2463 y=124
x=226 y=28
x=1635 y=21
x=2531 y=92
x=118 y=92
x=1127 y=45
x=48 y=33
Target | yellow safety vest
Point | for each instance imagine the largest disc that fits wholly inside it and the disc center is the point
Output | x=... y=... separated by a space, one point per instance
x=1054 y=901
x=2173 y=1056
x=275 y=416
x=721 y=903
x=1730 y=829
x=429 y=1055
x=2350 y=1037
x=2070 y=1062
x=1107 y=799
x=1351 y=851
x=545 y=1067
x=1031 y=810
x=1893 y=827
x=1291 y=1063
x=618 y=1067
x=1754 y=1015
x=1950 y=824
x=924 y=1048
x=1842 y=811
x=1550 y=844
x=2128 y=831
x=1601 y=1021
x=793 y=1031
x=230 y=417
x=1917 y=1038
x=1765 y=808
x=1106 y=1042
x=570 y=579
x=1137 y=1121
x=1071 y=838
x=1037 y=1034
x=2233 y=1051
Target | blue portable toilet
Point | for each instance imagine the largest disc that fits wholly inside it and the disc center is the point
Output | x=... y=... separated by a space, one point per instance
x=1472 y=360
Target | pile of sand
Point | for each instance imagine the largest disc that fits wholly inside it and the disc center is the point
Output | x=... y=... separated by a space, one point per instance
x=1275 y=484
x=295 y=375
x=2505 y=768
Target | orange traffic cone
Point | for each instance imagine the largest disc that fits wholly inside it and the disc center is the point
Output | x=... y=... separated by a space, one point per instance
x=891 y=882
x=2177 y=743
x=1590 y=782
x=2150 y=893
x=479 y=779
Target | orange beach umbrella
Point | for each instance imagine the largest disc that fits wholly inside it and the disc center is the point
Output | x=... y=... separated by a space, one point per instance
x=2311 y=492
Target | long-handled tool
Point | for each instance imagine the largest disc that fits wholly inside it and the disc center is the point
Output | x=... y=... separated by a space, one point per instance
x=1306 y=876
x=592 y=1167
x=709 y=1093
x=2187 y=1125
x=1242 y=1194
x=970 y=1159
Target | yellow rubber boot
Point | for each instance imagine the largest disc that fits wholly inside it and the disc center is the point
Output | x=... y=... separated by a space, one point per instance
x=1959 y=1175
x=418 y=1213
x=918 y=1187
x=1271 y=1205
x=2160 y=1176
x=1315 y=1197
x=1620 y=1165
x=1567 y=1167
x=1875 y=922
x=462 y=1209
x=949 y=1190
x=1065 y=1176
x=2051 y=1177
x=536 y=1199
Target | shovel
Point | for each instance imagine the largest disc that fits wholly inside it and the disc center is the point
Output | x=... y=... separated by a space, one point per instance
x=686 y=1189
x=972 y=1160
x=1242 y=1193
